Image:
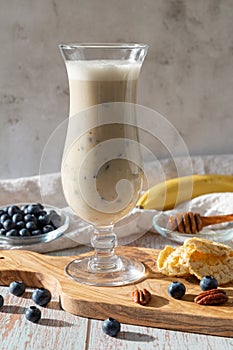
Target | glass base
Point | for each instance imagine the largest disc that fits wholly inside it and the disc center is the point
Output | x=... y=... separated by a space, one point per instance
x=126 y=271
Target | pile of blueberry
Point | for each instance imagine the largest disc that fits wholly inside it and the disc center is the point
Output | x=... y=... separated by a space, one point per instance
x=40 y=296
x=27 y=220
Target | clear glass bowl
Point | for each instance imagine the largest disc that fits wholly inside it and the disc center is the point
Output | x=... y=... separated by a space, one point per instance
x=217 y=233
x=45 y=237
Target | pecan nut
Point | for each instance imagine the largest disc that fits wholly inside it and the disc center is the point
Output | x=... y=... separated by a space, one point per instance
x=141 y=296
x=212 y=297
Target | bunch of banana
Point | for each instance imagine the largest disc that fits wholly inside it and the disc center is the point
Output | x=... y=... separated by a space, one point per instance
x=166 y=195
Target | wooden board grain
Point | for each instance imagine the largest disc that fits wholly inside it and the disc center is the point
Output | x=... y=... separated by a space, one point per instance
x=102 y=302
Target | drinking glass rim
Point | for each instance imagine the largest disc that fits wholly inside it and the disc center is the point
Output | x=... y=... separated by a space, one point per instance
x=104 y=46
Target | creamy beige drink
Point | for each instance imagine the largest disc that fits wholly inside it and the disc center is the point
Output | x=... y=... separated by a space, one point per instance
x=101 y=176
x=95 y=82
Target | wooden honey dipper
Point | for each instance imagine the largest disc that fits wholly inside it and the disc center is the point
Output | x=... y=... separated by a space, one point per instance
x=192 y=223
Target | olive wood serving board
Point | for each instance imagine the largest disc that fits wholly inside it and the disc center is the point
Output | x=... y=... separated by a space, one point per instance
x=38 y=270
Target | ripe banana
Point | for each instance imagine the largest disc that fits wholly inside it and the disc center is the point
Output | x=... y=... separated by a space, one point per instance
x=166 y=195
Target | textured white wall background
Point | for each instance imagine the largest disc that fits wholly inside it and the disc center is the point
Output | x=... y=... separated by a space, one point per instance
x=187 y=76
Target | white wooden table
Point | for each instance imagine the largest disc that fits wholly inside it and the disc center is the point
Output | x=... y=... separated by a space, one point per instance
x=60 y=330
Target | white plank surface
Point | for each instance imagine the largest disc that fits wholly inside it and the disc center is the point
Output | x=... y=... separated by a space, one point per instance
x=138 y=338
x=56 y=329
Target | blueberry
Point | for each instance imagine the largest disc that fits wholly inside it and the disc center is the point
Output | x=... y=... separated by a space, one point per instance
x=13 y=209
x=43 y=220
x=33 y=314
x=4 y=217
x=208 y=282
x=24 y=232
x=19 y=225
x=5 y=209
x=176 y=290
x=12 y=232
x=24 y=207
x=55 y=218
x=41 y=296
x=111 y=327
x=8 y=224
x=41 y=212
x=48 y=228
x=1 y=301
x=1 y=212
x=17 y=288
x=36 y=232
x=2 y=232
x=17 y=217
x=30 y=217
x=31 y=226
x=33 y=209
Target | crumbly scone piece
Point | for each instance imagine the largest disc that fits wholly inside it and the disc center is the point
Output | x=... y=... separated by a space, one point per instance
x=174 y=261
x=207 y=247
x=200 y=257
x=221 y=267
x=162 y=257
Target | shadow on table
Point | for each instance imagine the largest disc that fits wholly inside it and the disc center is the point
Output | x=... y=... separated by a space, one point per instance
x=13 y=309
x=54 y=305
x=132 y=336
x=27 y=295
x=48 y=322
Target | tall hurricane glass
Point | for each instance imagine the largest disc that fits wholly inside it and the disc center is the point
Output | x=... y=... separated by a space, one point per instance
x=101 y=167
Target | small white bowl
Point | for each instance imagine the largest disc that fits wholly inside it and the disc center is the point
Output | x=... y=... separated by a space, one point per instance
x=42 y=238
x=217 y=233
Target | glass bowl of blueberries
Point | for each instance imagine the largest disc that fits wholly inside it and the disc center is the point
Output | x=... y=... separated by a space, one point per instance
x=31 y=223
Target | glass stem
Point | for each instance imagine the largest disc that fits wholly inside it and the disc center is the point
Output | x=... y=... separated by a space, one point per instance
x=104 y=259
